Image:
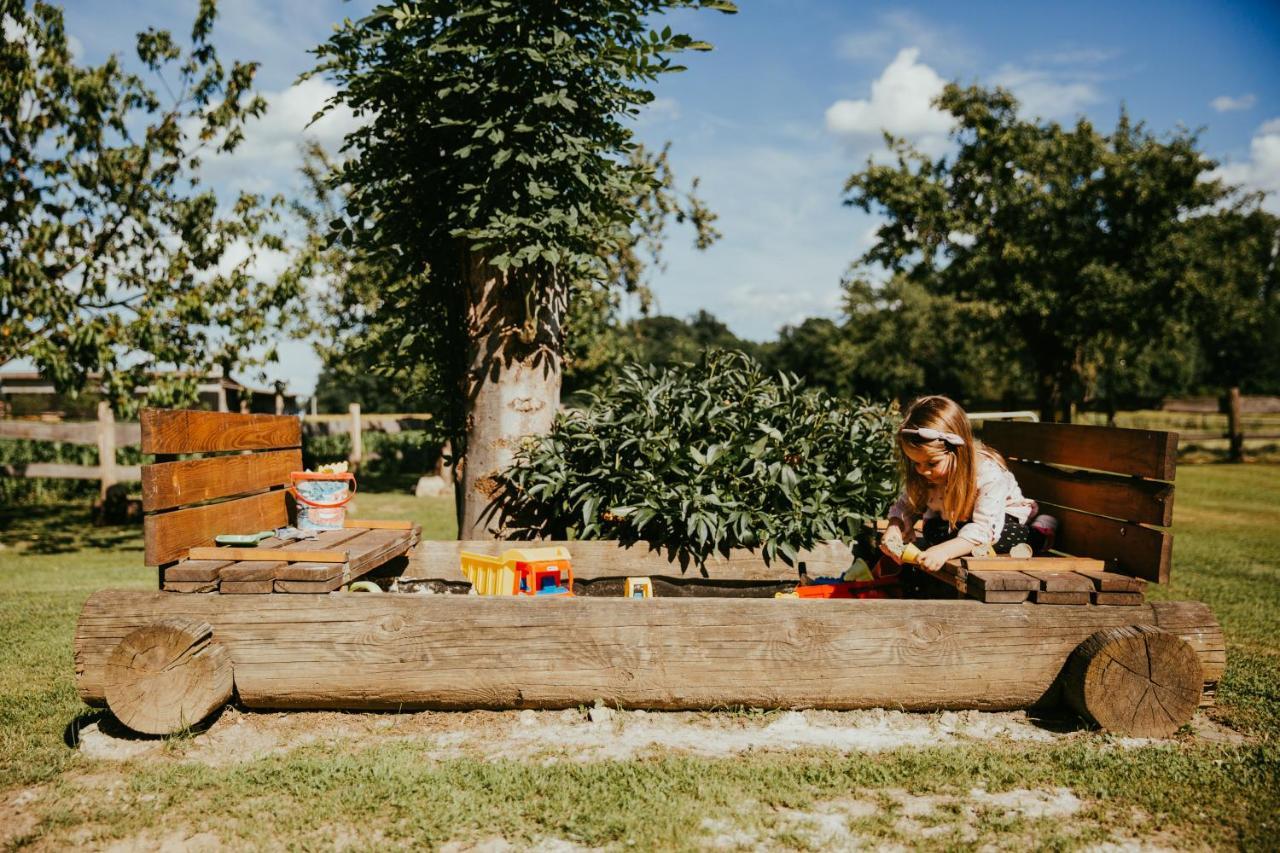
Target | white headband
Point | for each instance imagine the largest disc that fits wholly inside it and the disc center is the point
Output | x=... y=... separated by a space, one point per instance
x=934 y=435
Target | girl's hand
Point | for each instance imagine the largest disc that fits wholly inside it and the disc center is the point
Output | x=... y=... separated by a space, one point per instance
x=891 y=541
x=933 y=558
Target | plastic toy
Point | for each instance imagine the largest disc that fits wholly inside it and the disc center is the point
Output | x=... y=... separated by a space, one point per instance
x=520 y=571
x=839 y=588
x=639 y=588
x=243 y=540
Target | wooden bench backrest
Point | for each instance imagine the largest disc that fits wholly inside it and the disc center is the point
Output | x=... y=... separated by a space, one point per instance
x=1107 y=510
x=188 y=502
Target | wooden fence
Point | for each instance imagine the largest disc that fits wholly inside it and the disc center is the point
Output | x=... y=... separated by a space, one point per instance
x=108 y=434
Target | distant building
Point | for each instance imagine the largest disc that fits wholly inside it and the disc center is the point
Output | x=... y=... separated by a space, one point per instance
x=28 y=394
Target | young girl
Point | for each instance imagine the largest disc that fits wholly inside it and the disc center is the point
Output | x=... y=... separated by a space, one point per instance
x=968 y=498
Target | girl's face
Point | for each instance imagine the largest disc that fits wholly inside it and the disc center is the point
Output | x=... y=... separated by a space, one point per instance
x=934 y=464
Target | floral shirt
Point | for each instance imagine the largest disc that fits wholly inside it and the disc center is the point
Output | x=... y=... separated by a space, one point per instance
x=998 y=495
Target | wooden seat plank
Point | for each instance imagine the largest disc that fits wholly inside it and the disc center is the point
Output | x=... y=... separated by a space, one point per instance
x=1005 y=563
x=195 y=570
x=1133 y=452
x=1114 y=581
x=169 y=484
x=1125 y=498
x=167 y=431
x=168 y=536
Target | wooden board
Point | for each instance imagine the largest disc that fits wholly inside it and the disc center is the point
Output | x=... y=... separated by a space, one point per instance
x=376 y=524
x=246 y=587
x=190 y=586
x=191 y=431
x=195 y=570
x=1125 y=498
x=170 y=484
x=408 y=652
x=1016 y=564
x=1120 y=599
x=1114 y=581
x=1132 y=452
x=251 y=572
x=1130 y=549
x=169 y=535
x=291 y=553
x=274 y=559
x=1061 y=588
x=606 y=559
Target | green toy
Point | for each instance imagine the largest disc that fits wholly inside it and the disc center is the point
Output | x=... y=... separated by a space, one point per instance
x=244 y=540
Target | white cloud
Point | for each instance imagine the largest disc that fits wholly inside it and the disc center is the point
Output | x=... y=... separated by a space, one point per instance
x=1262 y=170
x=900 y=103
x=1227 y=103
x=659 y=111
x=268 y=158
x=1049 y=94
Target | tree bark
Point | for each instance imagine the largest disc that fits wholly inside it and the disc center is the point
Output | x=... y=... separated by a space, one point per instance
x=515 y=337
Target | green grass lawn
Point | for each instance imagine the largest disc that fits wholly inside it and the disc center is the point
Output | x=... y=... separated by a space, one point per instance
x=1176 y=794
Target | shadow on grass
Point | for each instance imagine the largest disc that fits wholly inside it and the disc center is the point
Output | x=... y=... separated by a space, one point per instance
x=60 y=528
x=113 y=728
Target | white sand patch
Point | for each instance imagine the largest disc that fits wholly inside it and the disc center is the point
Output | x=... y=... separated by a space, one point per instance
x=1021 y=802
x=501 y=845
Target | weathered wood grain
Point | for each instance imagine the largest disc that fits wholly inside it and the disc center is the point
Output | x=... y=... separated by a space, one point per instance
x=166 y=675
x=170 y=484
x=1125 y=498
x=436 y=560
x=1113 y=581
x=1135 y=680
x=390 y=651
x=378 y=524
x=192 y=431
x=168 y=536
x=1133 y=452
x=1131 y=549
x=195 y=570
x=1017 y=564
x=290 y=553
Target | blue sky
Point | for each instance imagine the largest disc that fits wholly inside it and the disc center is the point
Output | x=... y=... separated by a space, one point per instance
x=790 y=103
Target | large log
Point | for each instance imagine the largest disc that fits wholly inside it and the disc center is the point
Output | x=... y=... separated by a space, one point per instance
x=166 y=676
x=457 y=652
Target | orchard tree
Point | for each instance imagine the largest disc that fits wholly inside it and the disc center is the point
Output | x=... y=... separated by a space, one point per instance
x=113 y=258
x=1072 y=234
x=491 y=168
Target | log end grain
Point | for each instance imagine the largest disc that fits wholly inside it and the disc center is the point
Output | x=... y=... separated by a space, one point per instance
x=166 y=676
x=1135 y=680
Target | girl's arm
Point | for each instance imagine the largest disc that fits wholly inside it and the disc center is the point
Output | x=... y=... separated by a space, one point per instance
x=933 y=558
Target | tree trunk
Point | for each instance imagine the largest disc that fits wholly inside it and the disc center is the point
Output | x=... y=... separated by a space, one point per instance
x=513 y=380
x=1234 y=431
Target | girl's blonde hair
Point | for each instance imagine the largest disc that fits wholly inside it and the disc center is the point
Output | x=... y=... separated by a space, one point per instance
x=961 y=490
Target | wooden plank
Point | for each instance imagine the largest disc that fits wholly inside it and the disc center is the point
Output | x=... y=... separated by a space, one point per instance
x=195 y=570
x=1125 y=498
x=1133 y=452
x=1016 y=564
x=260 y=587
x=1124 y=599
x=1046 y=596
x=59 y=471
x=375 y=524
x=171 y=484
x=1000 y=587
x=72 y=432
x=1132 y=549
x=313 y=587
x=190 y=586
x=273 y=561
x=191 y=431
x=290 y=554
x=1114 y=581
x=251 y=571
x=410 y=651
x=1062 y=581
x=438 y=560
x=169 y=535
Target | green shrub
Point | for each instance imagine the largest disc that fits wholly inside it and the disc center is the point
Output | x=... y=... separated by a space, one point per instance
x=703 y=458
x=31 y=491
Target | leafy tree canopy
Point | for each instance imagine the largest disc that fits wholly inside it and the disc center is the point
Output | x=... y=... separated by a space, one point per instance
x=113 y=258
x=1072 y=235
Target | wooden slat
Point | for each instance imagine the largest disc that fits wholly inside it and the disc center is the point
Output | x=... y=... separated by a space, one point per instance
x=1133 y=549
x=1000 y=587
x=289 y=554
x=191 y=431
x=272 y=560
x=1125 y=498
x=444 y=651
x=195 y=570
x=1133 y=452
x=252 y=571
x=1048 y=564
x=1113 y=581
x=1123 y=599
x=247 y=587
x=434 y=560
x=1049 y=596
x=170 y=484
x=190 y=586
x=59 y=471
x=169 y=535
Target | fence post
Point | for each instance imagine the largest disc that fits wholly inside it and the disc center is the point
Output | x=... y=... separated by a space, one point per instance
x=106 y=448
x=1235 y=432
x=357 y=442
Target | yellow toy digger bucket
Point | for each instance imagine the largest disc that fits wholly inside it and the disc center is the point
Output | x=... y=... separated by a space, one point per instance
x=489 y=575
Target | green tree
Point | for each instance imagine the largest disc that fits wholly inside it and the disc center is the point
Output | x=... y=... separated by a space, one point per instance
x=491 y=168
x=113 y=258
x=1072 y=234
